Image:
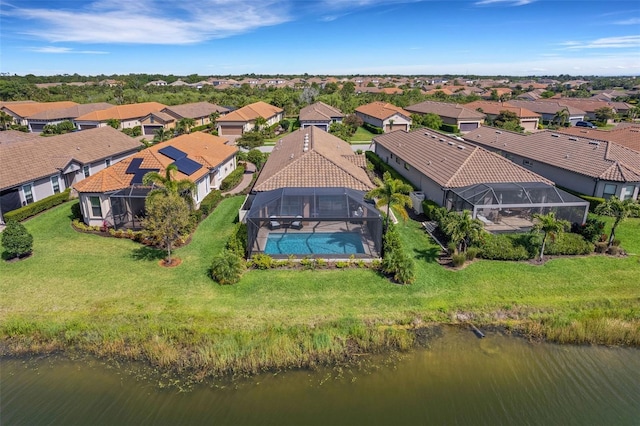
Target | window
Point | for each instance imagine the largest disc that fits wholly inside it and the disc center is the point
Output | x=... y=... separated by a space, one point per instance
x=406 y=166
x=96 y=208
x=627 y=192
x=152 y=119
x=609 y=190
x=107 y=162
x=527 y=163
x=86 y=171
x=27 y=190
x=55 y=184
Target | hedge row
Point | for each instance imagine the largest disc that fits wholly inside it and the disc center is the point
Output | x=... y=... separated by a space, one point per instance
x=233 y=179
x=380 y=167
x=373 y=129
x=39 y=206
x=527 y=246
x=210 y=202
x=430 y=207
x=593 y=201
x=451 y=128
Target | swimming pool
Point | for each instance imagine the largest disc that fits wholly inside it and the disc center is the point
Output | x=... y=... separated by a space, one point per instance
x=314 y=243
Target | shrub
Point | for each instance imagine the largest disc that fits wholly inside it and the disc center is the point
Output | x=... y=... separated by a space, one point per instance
x=472 y=253
x=238 y=240
x=601 y=247
x=458 y=259
x=380 y=167
x=591 y=230
x=227 y=268
x=251 y=140
x=341 y=264
x=262 y=261
x=307 y=263
x=39 y=206
x=429 y=208
x=233 y=179
x=395 y=261
x=501 y=247
x=569 y=244
x=284 y=123
x=210 y=202
x=450 y=128
x=614 y=250
x=16 y=240
x=373 y=129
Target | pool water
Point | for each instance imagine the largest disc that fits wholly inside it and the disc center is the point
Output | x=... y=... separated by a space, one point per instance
x=314 y=243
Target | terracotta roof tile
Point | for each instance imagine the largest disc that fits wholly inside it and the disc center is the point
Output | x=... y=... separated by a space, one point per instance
x=382 y=110
x=123 y=112
x=445 y=109
x=494 y=108
x=70 y=112
x=27 y=109
x=195 y=110
x=251 y=112
x=319 y=111
x=328 y=162
x=628 y=136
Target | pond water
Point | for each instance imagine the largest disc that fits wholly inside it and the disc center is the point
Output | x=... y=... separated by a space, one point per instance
x=459 y=379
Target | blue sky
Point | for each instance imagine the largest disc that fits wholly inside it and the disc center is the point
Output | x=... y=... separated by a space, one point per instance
x=221 y=37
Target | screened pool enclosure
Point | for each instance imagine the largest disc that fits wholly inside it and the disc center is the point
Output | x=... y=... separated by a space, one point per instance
x=509 y=207
x=315 y=222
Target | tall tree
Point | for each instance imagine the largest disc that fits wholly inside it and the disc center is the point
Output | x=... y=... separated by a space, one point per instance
x=462 y=229
x=562 y=117
x=167 y=220
x=391 y=192
x=168 y=185
x=604 y=114
x=162 y=135
x=5 y=120
x=550 y=226
x=113 y=122
x=619 y=210
x=185 y=125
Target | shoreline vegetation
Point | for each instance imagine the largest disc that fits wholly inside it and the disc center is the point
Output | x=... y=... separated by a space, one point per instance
x=107 y=297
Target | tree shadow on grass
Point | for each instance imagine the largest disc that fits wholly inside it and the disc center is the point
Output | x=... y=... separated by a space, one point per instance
x=148 y=253
x=430 y=255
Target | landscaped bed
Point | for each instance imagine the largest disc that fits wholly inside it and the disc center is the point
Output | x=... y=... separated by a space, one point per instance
x=109 y=297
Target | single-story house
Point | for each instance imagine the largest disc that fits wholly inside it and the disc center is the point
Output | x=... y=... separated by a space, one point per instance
x=34 y=167
x=199 y=111
x=155 y=121
x=128 y=115
x=38 y=121
x=312 y=186
x=463 y=176
x=385 y=116
x=466 y=119
x=628 y=135
x=320 y=115
x=529 y=120
x=21 y=110
x=549 y=108
x=591 y=167
x=235 y=123
x=590 y=106
x=117 y=195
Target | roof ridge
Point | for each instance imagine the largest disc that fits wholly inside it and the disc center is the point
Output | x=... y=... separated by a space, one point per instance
x=343 y=169
x=463 y=165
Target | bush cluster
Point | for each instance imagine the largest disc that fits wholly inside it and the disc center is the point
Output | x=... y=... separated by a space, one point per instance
x=210 y=202
x=37 y=207
x=527 y=246
x=16 y=240
x=396 y=262
x=227 y=267
x=569 y=244
x=133 y=131
x=591 y=230
x=238 y=239
x=431 y=210
x=451 y=128
x=502 y=247
x=233 y=179
x=373 y=129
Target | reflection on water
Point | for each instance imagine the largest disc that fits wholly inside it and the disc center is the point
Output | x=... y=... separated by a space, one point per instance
x=459 y=380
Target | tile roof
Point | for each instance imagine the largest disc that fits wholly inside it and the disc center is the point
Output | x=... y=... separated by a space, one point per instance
x=494 y=108
x=206 y=149
x=26 y=109
x=445 y=109
x=547 y=106
x=590 y=105
x=251 y=112
x=31 y=159
x=122 y=112
x=628 y=136
x=328 y=162
x=382 y=110
x=10 y=136
x=71 y=112
x=319 y=111
x=452 y=163
x=602 y=160
x=195 y=110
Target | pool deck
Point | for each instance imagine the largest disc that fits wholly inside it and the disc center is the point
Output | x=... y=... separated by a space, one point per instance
x=321 y=227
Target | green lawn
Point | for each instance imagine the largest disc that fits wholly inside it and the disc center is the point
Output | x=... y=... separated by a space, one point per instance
x=109 y=296
x=362 y=135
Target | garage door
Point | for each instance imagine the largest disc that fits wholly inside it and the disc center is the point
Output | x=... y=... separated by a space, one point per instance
x=231 y=130
x=37 y=127
x=151 y=130
x=467 y=127
x=88 y=126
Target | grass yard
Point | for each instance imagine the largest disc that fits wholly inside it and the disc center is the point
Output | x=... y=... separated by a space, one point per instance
x=110 y=297
x=362 y=135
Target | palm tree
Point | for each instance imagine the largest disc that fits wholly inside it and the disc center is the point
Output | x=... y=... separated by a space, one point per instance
x=168 y=185
x=213 y=117
x=550 y=226
x=5 y=120
x=620 y=210
x=462 y=229
x=185 y=125
x=561 y=117
x=260 y=122
x=162 y=135
x=391 y=191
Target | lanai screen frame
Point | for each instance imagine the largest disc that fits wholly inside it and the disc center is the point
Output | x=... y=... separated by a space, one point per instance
x=131 y=206
x=522 y=195
x=312 y=204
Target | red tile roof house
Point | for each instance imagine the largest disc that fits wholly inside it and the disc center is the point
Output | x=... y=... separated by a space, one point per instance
x=21 y=110
x=199 y=111
x=529 y=120
x=116 y=195
x=628 y=136
x=320 y=115
x=590 y=106
x=455 y=114
x=236 y=123
x=129 y=115
x=36 y=122
x=549 y=108
x=385 y=116
x=587 y=166
x=35 y=168
x=463 y=176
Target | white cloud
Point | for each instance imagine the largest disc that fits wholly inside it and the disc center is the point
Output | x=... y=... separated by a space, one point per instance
x=511 y=2
x=64 y=50
x=632 y=41
x=630 y=21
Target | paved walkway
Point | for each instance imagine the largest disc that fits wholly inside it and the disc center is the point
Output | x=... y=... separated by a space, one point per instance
x=246 y=180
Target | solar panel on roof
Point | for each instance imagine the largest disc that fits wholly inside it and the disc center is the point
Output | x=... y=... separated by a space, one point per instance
x=187 y=166
x=134 y=165
x=139 y=174
x=172 y=152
